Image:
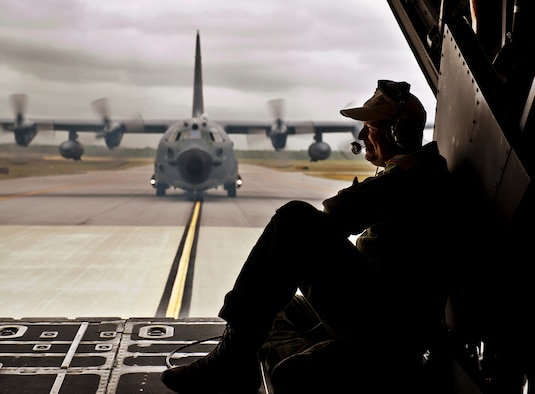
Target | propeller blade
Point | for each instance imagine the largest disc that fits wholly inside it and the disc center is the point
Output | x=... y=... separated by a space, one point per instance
x=282 y=159
x=305 y=127
x=19 y=103
x=134 y=124
x=4 y=131
x=276 y=107
x=101 y=106
x=45 y=130
x=257 y=139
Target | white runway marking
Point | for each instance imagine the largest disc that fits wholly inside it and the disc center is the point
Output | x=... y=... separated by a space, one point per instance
x=57 y=271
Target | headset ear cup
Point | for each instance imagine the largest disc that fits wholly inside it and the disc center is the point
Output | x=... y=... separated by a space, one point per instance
x=404 y=132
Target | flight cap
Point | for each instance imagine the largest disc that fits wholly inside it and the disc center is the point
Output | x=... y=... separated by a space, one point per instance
x=390 y=100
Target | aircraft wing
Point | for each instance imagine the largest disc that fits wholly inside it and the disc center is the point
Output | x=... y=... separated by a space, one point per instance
x=85 y=126
x=77 y=125
x=295 y=127
x=156 y=127
x=10 y=125
x=153 y=127
x=278 y=131
x=6 y=125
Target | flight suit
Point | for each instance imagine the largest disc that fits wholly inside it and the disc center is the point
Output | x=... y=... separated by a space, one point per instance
x=387 y=293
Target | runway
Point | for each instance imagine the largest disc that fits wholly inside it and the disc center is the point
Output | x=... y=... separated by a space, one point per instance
x=102 y=243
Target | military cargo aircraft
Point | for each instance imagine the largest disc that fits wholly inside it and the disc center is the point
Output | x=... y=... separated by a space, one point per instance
x=194 y=154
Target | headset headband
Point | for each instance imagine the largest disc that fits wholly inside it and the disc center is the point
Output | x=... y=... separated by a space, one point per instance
x=398 y=91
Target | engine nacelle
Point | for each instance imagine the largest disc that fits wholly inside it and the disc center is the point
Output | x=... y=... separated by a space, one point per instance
x=113 y=138
x=71 y=150
x=278 y=140
x=319 y=151
x=25 y=135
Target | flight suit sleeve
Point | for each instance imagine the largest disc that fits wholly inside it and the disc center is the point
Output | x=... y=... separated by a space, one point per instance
x=362 y=204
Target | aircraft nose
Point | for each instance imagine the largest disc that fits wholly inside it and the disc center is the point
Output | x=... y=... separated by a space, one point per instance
x=195 y=165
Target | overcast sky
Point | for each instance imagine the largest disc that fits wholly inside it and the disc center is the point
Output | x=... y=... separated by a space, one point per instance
x=317 y=55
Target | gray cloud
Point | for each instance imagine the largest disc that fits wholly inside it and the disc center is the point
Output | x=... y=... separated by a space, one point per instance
x=317 y=55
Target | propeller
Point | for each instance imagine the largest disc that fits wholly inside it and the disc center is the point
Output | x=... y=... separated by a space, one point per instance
x=112 y=132
x=282 y=159
x=25 y=129
x=102 y=108
x=19 y=103
x=351 y=147
x=277 y=108
x=134 y=124
x=131 y=125
x=256 y=138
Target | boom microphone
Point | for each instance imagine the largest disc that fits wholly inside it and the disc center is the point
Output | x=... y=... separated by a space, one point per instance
x=356 y=148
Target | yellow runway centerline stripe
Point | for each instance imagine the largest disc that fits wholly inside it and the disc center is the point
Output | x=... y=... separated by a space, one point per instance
x=175 y=300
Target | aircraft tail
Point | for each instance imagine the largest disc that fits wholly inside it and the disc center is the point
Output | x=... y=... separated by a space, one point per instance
x=198 y=101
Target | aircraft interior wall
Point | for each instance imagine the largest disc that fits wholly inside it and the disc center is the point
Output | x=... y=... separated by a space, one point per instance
x=477 y=58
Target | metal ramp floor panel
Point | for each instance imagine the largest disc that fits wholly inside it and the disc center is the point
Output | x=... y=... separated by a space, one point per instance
x=99 y=355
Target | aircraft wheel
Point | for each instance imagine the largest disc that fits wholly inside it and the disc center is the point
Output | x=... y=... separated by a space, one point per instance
x=160 y=189
x=231 y=190
x=194 y=195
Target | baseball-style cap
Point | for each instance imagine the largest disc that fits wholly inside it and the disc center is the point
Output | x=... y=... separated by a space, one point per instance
x=390 y=100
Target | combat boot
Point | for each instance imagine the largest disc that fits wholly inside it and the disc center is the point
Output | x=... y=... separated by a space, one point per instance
x=231 y=367
x=321 y=368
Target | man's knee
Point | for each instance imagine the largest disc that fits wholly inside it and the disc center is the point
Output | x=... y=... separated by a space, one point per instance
x=297 y=209
x=301 y=220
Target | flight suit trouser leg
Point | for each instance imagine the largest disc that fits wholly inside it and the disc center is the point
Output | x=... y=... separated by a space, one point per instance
x=299 y=248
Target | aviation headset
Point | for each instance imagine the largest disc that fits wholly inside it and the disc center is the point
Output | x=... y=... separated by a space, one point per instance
x=405 y=130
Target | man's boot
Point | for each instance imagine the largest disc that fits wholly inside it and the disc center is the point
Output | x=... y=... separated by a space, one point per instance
x=321 y=368
x=231 y=367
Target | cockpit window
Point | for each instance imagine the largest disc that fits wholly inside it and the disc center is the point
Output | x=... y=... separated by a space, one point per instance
x=189 y=135
x=206 y=132
x=215 y=135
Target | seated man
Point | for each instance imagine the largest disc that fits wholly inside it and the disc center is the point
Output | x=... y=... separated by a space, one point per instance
x=367 y=311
